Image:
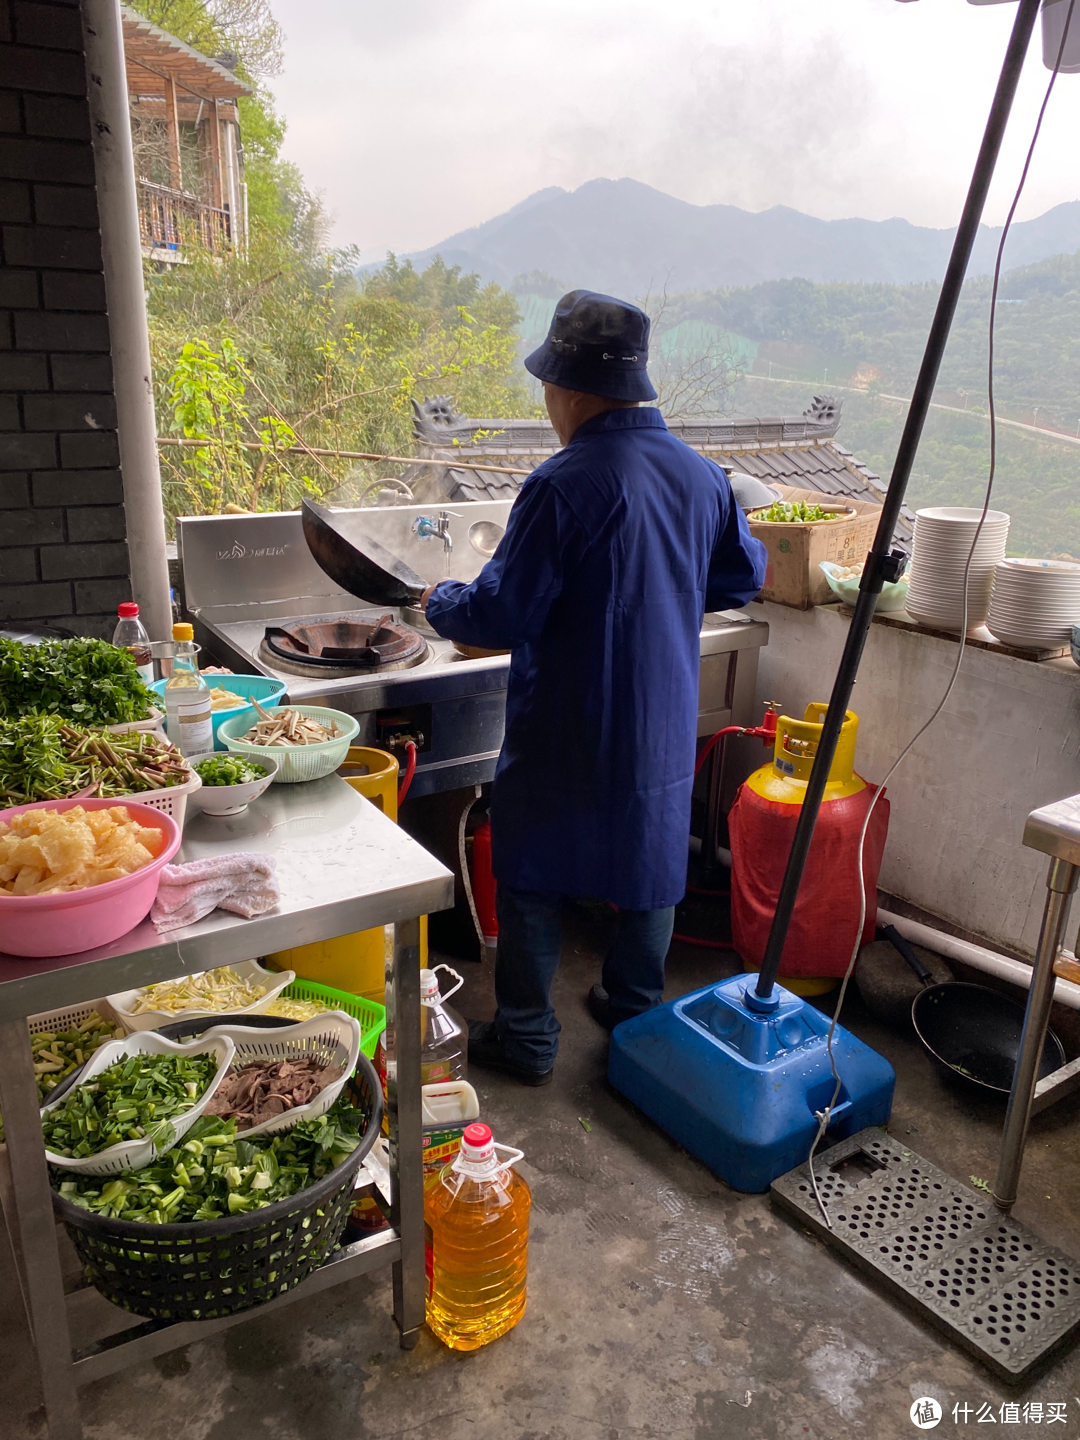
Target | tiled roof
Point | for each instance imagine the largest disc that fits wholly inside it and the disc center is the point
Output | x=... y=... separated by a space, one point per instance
x=795 y=450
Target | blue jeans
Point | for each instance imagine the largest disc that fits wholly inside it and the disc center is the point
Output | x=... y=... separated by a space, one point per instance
x=530 y=946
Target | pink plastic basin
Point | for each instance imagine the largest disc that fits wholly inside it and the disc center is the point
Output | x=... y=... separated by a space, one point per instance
x=47 y=925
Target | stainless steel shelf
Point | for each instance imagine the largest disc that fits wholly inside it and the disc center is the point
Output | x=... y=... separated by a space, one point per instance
x=342 y=866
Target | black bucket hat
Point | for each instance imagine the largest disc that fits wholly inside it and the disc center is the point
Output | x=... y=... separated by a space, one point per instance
x=597 y=344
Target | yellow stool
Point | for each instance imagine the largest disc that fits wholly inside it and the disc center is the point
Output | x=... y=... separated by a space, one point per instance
x=356 y=963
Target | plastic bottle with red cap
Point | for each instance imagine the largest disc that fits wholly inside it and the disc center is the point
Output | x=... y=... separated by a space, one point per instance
x=477 y=1235
x=130 y=635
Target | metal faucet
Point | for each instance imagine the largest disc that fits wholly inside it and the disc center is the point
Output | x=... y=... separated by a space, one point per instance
x=425 y=528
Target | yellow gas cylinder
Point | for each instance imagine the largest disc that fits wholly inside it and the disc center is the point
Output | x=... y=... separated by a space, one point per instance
x=357 y=963
x=762 y=826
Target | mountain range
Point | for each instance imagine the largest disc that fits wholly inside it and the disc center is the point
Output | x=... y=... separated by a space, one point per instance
x=627 y=238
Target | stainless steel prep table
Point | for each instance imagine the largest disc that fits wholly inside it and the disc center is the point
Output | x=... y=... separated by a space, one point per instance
x=342 y=866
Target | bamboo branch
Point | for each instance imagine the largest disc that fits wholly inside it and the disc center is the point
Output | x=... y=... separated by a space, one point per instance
x=455 y=464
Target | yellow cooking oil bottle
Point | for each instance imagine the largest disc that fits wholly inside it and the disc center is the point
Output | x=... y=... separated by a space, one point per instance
x=477 y=1235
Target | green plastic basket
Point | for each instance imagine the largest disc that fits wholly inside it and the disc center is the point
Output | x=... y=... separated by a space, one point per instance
x=370 y=1013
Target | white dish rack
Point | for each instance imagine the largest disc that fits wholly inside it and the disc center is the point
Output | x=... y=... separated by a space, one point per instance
x=275 y=982
x=332 y=1039
x=132 y=1154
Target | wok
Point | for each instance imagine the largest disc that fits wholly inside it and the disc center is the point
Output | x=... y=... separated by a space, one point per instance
x=355 y=561
x=971 y=1033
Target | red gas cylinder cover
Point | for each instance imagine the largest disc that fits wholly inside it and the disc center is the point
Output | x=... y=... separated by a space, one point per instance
x=821 y=936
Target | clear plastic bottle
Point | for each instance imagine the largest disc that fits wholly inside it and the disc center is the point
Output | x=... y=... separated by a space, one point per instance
x=187 y=698
x=444 y=1036
x=477 y=1237
x=131 y=635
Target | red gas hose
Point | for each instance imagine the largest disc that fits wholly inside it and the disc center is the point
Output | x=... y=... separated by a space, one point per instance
x=410 y=771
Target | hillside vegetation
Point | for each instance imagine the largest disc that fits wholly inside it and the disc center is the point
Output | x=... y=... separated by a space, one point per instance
x=868 y=340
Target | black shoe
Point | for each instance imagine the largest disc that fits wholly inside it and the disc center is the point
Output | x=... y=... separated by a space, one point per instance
x=599 y=1007
x=486 y=1050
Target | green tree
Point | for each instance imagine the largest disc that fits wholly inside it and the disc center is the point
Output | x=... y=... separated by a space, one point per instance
x=263 y=359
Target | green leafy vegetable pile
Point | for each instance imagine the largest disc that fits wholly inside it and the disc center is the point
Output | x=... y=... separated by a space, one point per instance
x=89 y=681
x=44 y=758
x=134 y=1099
x=214 y=1173
x=58 y=1052
x=785 y=512
x=229 y=770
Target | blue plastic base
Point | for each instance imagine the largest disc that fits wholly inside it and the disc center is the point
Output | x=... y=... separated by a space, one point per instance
x=739 y=1089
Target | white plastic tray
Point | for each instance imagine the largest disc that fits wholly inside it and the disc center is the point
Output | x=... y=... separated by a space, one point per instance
x=334 y=1038
x=131 y=1154
x=250 y=970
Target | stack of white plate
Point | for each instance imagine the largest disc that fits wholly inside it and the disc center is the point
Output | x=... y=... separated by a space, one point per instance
x=943 y=541
x=1035 y=603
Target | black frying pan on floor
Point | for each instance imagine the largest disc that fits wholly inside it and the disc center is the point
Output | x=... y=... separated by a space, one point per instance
x=970 y=1032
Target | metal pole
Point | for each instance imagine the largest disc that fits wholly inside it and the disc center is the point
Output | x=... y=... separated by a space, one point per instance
x=34 y=1231
x=405 y=1111
x=1060 y=884
x=881 y=564
x=121 y=249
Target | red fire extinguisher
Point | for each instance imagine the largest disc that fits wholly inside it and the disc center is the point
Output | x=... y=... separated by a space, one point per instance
x=483 y=882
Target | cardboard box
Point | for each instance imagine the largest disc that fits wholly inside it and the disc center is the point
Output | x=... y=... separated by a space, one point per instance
x=795 y=551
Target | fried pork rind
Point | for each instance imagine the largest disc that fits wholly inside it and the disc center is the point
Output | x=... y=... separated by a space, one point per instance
x=50 y=852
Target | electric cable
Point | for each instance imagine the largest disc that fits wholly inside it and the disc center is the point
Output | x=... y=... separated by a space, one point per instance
x=824 y=1116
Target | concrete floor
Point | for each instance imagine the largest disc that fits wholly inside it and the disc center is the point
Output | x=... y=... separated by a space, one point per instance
x=661 y=1303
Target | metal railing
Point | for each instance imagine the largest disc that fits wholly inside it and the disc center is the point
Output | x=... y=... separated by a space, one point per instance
x=174 y=220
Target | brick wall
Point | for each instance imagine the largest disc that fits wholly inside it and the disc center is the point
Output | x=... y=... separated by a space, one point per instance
x=63 y=553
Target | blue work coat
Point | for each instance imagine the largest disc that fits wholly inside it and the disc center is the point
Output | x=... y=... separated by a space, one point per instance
x=613 y=551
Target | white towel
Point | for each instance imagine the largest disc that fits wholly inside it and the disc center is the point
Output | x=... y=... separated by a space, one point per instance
x=244 y=884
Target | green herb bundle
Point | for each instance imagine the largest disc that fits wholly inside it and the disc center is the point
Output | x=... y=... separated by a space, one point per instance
x=88 y=681
x=135 y=1099
x=214 y=1173
x=44 y=758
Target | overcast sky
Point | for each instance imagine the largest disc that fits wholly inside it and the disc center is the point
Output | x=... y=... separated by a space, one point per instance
x=419 y=118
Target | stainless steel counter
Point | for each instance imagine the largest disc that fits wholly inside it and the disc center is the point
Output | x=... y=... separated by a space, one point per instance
x=244 y=572
x=343 y=866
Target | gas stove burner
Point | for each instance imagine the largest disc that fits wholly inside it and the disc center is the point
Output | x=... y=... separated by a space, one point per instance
x=344 y=646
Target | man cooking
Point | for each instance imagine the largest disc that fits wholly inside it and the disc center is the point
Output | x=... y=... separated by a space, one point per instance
x=613 y=551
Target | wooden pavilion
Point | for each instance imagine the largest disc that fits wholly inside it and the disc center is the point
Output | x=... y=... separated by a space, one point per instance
x=186 y=138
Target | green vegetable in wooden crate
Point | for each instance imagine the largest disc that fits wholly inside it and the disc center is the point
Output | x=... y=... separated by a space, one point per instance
x=214 y=1173
x=44 y=758
x=131 y=1100
x=228 y=770
x=89 y=681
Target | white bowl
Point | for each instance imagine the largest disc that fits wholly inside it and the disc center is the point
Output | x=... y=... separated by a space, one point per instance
x=250 y=970
x=333 y=1037
x=233 y=799
x=949 y=515
x=131 y=1154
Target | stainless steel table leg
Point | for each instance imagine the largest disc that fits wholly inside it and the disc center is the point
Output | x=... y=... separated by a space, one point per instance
x=406 y=1129
x=11 y=1223
x=1060 y=883
x=36 y=1231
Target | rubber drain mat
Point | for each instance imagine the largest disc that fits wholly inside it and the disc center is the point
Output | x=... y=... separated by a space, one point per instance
x=989 y=1282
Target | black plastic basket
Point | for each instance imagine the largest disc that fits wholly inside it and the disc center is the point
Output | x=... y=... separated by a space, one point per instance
x=204 y=1269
